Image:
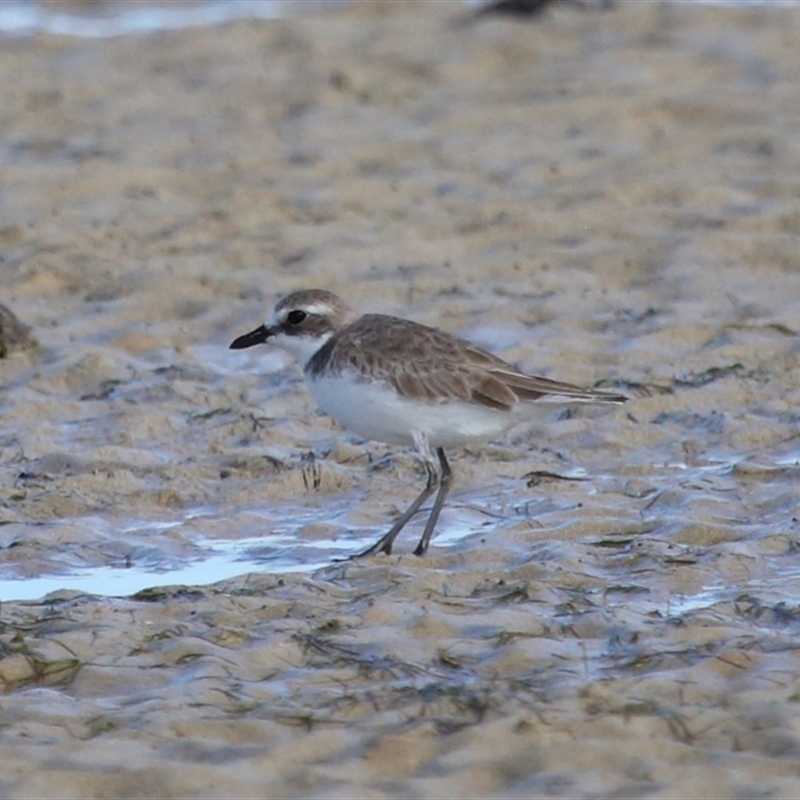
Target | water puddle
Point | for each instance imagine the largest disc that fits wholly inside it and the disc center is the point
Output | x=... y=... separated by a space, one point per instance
x=223 y=560
x=203 y=548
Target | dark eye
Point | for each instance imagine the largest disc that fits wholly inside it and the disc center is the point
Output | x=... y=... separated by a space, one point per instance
x=296 y=317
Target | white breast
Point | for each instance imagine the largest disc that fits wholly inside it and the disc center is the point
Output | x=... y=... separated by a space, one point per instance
x=374 y=410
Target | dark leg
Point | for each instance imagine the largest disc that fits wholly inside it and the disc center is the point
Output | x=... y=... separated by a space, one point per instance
x=445 y=479
x=384 y=544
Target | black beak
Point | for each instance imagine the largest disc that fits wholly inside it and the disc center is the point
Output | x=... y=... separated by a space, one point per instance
x=258 y=336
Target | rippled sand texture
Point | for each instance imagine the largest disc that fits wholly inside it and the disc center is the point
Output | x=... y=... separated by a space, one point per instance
x=595 y=196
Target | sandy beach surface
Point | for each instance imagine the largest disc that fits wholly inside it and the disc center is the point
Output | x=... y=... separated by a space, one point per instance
x=610 y=607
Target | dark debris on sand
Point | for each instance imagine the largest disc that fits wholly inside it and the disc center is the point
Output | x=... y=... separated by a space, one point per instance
x=532 y=8
x=14 y=336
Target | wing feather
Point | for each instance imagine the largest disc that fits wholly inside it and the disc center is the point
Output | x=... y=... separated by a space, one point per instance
x=489 y=391
x=532 y=387
x=424 y=363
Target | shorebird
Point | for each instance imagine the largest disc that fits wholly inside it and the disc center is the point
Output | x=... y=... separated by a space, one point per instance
x=397 y=381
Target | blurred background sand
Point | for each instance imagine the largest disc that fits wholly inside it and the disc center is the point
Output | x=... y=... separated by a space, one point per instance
x=596 y=196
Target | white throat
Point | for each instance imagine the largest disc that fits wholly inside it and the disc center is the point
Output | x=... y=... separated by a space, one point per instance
x=301 y=347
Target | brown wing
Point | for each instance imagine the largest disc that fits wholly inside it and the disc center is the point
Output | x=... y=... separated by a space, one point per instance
x=429 y=364
x=532 y=387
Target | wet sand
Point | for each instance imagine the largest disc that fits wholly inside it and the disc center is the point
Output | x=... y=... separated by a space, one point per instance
x=597 y=197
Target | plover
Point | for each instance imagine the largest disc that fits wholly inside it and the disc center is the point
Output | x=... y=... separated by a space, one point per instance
x=401 y=382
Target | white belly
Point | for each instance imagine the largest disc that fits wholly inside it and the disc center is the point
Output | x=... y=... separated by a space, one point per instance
x=376 y=411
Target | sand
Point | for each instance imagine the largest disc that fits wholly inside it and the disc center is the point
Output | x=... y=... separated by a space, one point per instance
x=607 y=197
